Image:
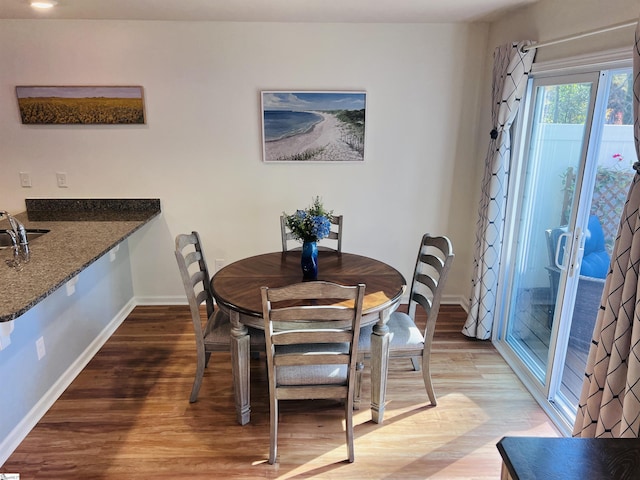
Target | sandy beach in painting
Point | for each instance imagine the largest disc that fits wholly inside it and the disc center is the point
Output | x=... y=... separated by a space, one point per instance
x=325 y=135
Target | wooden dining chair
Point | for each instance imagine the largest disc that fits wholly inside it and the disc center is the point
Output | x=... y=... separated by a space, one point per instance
x=216 y=336
x=311 y=332
x=435 y=257
x=335 y=235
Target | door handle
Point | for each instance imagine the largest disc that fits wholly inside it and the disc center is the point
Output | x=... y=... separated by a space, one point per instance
x=577 y=249
x=560 y=246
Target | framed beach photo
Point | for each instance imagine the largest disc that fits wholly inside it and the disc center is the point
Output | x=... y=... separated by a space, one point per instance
x=313 y=126
x=86 y=105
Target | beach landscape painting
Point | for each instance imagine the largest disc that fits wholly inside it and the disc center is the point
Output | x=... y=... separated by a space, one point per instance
x=313 y=126
x=107 y=105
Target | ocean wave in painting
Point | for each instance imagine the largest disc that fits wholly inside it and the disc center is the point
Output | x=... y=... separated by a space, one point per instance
x=279 y=124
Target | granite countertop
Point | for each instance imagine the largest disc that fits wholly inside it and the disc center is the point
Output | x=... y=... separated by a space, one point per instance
x=81 y=231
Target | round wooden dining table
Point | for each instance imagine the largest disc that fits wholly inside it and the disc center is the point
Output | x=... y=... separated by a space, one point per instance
x=236 y=289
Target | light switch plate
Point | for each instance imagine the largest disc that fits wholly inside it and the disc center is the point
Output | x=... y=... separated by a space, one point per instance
x=25 y=179
x=40 y=348
x=61 y=178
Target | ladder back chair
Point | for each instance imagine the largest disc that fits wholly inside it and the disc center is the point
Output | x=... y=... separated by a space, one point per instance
x=435 y=257
x=311 y=332
x=335 y=235
x=216 y=336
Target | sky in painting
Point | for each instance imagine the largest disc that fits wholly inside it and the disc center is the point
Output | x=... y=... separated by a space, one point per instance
x=316 y=101
x=79 y=92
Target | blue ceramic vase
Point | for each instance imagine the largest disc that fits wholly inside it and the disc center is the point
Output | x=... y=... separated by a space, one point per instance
x=309 y=260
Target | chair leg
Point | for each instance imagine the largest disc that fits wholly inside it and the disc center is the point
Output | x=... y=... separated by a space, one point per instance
x=426 y=375
x=197 y=381
x=273 y=433
x=349 y=429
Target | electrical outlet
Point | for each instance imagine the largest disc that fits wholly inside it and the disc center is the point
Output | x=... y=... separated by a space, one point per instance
x=71 y=286
x=40 y=348
x=61 y=178
x=25 y=179
x=219 y=263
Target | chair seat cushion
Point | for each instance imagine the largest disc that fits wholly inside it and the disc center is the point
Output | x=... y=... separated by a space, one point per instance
x=595 y=264
x=594 y=236
x=403 y=334
x=312 y=374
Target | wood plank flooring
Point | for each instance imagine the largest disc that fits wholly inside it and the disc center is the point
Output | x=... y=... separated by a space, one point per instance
x=127 y=416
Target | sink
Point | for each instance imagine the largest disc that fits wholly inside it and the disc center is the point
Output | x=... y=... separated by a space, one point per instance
x=32 y=234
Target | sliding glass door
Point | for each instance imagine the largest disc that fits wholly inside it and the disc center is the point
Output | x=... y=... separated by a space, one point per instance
x=565 y=202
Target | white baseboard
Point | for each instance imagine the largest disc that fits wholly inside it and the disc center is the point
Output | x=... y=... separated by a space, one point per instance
x=456 y=300
x=20 y=432
x=166 y=300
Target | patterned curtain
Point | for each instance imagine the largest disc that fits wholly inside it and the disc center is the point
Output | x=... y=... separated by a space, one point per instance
x=511 y=69
x=610 y=400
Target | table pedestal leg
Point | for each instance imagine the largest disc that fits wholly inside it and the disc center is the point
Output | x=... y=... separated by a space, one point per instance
x=240 y=350
x=379 y=367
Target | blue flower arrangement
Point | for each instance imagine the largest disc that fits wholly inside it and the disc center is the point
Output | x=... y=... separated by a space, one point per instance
x=311 y=224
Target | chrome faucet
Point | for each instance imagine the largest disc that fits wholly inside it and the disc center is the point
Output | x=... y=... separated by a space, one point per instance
x=18 y=236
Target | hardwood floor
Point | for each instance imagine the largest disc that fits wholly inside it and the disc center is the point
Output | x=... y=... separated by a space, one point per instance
x=127 y=415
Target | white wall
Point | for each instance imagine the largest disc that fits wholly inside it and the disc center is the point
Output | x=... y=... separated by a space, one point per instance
x=200 y=151
x=551 y=19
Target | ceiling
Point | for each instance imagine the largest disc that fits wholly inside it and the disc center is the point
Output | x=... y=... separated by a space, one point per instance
x=352 y=11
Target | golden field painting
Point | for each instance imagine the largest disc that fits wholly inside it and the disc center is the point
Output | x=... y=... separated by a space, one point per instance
x=81 y=105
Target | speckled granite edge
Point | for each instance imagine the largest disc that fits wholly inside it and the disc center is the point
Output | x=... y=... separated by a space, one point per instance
x=90 y=209
x=69 y=248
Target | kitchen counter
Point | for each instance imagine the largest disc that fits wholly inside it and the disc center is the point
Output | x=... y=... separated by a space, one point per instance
x=542 y=458
x=81 y=231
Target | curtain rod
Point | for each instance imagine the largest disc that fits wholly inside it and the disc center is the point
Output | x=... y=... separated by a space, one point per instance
x=580 y=35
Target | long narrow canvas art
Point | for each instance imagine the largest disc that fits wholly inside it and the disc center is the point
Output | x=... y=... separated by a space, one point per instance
x=81 y=105
x=313 y=126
